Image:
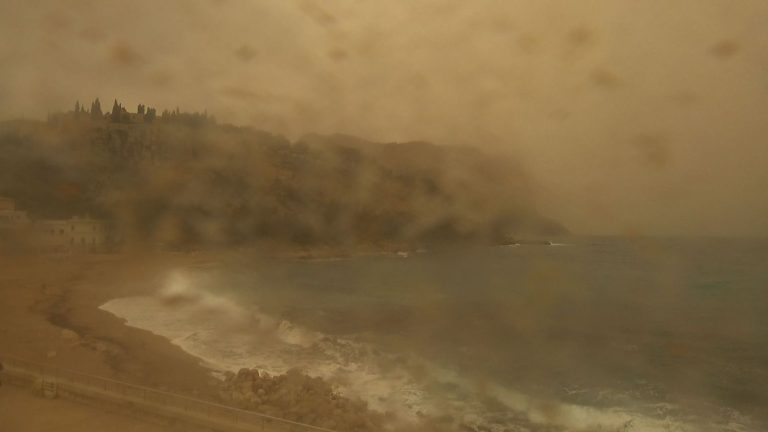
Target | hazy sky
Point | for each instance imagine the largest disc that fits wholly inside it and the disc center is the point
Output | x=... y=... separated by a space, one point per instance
x=634 y=116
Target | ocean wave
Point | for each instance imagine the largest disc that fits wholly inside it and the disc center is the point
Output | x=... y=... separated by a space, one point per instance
x=228 y=335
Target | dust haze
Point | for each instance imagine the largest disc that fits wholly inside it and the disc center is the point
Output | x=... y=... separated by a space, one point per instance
x=491 y=215
x=631 y=117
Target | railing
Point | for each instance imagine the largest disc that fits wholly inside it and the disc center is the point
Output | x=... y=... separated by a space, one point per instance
x=170 y=404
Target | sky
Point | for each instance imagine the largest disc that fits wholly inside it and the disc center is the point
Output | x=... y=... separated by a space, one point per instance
x=632 y=117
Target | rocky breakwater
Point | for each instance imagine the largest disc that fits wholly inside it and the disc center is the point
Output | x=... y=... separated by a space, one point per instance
x=301 y=398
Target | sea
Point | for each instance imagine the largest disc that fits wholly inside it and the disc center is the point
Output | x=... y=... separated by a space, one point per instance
x=585 y=334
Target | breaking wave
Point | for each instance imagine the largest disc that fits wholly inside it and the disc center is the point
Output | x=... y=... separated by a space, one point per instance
x=228 y=335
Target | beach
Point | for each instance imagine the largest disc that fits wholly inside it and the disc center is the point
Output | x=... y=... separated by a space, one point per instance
x=600 y=334
x=49 y=313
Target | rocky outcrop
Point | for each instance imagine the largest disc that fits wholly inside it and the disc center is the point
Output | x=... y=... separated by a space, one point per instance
x=298 y=397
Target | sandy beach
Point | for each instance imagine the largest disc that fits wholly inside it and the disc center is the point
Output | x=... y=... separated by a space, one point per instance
x=20 y=412
x=49 y=314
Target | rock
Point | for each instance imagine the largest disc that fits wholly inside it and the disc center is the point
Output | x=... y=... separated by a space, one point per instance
x=229 y=376
x=238 y=396
x=299 y=397
x=70 y=335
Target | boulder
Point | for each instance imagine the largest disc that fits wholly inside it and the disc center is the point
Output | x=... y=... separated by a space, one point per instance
x=298 y=397
x=70 y=336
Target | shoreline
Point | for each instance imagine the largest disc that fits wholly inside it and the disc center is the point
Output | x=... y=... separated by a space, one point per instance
x=53 y=317
x=50 y=313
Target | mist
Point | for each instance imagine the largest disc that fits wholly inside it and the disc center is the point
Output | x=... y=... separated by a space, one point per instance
x=632 y=117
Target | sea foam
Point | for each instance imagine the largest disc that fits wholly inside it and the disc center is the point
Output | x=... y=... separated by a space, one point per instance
x=227 y=335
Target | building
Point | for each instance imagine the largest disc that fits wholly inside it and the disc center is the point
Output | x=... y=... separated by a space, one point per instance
x=15 y=227
x=7 y=204
x=70 y=235
x=9 y=216
x=75 y=234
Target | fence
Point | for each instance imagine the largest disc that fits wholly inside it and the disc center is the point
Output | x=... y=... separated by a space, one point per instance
x=168 y=404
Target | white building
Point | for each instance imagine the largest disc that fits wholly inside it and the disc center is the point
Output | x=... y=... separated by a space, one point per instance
x=62 y=235
x=74 y=234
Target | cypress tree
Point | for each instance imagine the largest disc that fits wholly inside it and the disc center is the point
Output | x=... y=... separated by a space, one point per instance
x=96 y=113
x=116 y=112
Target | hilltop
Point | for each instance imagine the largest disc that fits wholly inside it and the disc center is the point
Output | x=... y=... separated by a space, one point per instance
x=180 y=180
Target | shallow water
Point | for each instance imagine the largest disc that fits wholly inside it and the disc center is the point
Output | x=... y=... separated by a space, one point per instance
x=598 y=333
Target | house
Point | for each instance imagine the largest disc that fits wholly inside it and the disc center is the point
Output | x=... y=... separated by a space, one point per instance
x=7 y=204
x=49 y=235
x=9 y=216
x=71 y=235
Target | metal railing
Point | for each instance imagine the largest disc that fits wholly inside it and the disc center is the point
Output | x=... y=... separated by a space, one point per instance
x=170 y=404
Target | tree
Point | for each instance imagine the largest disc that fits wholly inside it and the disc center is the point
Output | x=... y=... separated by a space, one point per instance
x=117 y=111
x=96 y=113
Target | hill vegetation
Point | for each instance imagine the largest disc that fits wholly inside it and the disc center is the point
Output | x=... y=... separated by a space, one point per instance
x=179 y=180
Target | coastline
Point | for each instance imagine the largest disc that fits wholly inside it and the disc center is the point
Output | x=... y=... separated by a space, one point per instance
x=49 y=313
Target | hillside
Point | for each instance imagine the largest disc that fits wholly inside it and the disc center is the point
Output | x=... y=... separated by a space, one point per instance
x=193 y=183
